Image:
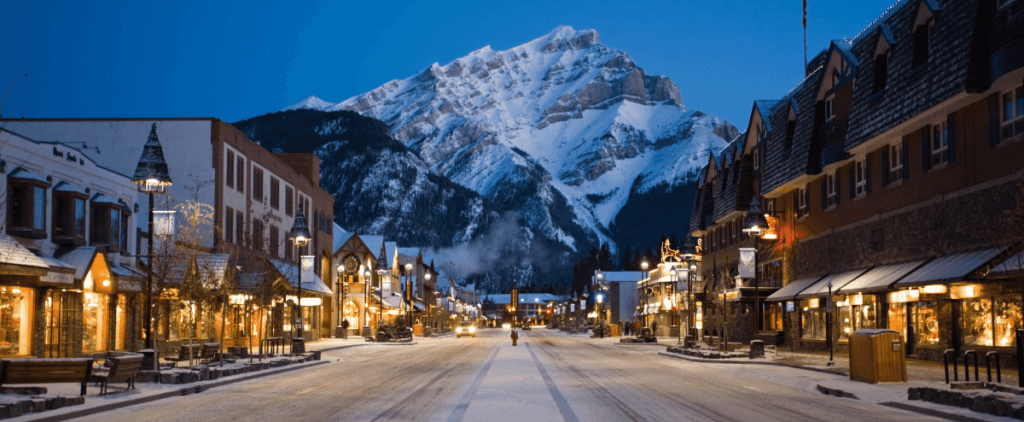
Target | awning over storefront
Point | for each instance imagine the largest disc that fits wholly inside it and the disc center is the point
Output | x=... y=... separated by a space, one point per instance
x=59 y=272
x=1012 y=267
x=880 y=278
x=949 y=268
x=838 y=280
x=789 y=291
x=128 y=279
x=419 y=306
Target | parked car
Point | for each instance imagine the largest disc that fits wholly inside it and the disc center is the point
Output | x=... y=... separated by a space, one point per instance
x=465 y=328
x=526 y=327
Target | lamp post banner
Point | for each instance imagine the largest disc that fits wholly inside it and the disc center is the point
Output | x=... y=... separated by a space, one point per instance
x=747 y=262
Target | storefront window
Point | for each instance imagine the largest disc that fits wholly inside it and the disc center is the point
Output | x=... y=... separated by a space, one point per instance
x=812 y=321
x=94 y=322
x=846 y=325
x=1008 y=320
x=15 y=320
x=773 y=319
x=988 y=325
x=898 y=319
x=352 y=314
x=858 y=313
x=927 y=323
x=978 y=322
x=121 y=322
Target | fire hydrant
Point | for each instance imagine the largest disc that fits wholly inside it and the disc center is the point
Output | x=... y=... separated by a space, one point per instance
x=515 y=336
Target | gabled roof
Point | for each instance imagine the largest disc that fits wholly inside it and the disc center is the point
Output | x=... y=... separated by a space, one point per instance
x=764 y=107
x=373 y=243
x=80 y=259
x=340 y=237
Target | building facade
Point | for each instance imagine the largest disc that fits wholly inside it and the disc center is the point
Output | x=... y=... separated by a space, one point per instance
x=893 y=171
x=66 y=284
x=252 y=197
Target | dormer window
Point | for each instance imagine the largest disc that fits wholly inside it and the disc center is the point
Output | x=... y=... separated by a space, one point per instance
x=800 y=196
x=881 y=72
x=923 y=27
x=790 y=128
x=830 y=110
x=26 y=204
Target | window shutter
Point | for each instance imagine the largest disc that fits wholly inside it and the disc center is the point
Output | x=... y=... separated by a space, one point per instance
x=796 y=202
x=835 y=180
x=993 y=120
x=951 y=131
x=926 y=147
x=885 y=166
x=824 y=192
x=906 y=157
x=853 y=179
x=867 y=174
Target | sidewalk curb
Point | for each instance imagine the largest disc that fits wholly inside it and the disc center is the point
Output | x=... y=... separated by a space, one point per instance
x=751 y=362
x=930 y=412
x=175 y=393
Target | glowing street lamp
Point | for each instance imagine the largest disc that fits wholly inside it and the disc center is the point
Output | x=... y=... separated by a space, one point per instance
x=299 y=236
x=152 y=176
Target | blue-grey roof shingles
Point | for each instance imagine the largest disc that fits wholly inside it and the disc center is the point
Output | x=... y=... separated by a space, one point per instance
x=909 y=92
x=764 y=107
x=783 y=163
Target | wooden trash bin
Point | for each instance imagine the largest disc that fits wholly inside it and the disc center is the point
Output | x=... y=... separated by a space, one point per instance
x=417 y=329
x=877 y=355
x=616 y=330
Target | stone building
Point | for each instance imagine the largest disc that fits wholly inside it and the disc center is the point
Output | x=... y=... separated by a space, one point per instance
x=893 y=175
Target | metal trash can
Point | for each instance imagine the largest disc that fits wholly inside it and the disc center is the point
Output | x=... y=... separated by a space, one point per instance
x=877 y=355
x=298 y=345
x=149 y=359
x=756 y=349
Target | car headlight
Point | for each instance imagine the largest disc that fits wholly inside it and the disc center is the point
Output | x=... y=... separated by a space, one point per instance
x=472 y=329
x=458 y=330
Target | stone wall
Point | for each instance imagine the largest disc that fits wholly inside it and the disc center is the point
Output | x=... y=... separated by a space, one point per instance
x=941 y=226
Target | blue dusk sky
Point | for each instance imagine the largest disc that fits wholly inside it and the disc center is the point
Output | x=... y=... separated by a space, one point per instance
x=238 y=59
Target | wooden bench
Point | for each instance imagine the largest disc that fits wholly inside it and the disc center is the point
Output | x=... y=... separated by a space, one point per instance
x=185 y=352
x=123 y=367
x=208 y=353
x=46 y=371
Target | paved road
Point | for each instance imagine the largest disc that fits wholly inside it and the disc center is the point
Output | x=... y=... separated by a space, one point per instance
x=549 y=377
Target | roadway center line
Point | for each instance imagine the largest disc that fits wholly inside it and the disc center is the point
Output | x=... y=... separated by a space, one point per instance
x=460 y=410
x=563 y=405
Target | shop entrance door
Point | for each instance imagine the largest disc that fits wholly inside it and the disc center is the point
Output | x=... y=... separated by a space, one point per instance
x=63 y=313
x=911 y=327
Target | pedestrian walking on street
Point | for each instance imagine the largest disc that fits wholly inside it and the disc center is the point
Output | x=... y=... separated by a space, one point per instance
x=515 y=336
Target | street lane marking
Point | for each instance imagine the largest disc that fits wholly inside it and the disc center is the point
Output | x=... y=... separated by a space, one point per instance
x=460 y=410
x=563 y=405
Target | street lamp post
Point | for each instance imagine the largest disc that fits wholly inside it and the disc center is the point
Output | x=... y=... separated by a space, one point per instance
x=152 y=176
x=691 y=255
x=382 y=271
x=643 y=276
x=679 y=318
x=366 y=301
x=408 y=293
x=300 y=238
x=756 y=226
x=343 y=286
x=430 y=309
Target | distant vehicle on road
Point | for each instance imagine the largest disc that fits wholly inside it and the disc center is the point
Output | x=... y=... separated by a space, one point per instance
x=506 y=326
x=465 y=328
x=526 y=327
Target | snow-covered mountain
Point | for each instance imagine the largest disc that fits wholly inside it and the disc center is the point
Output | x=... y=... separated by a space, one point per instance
x=563 y=130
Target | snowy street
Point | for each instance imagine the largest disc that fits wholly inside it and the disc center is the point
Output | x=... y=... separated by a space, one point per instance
x=550 y=376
